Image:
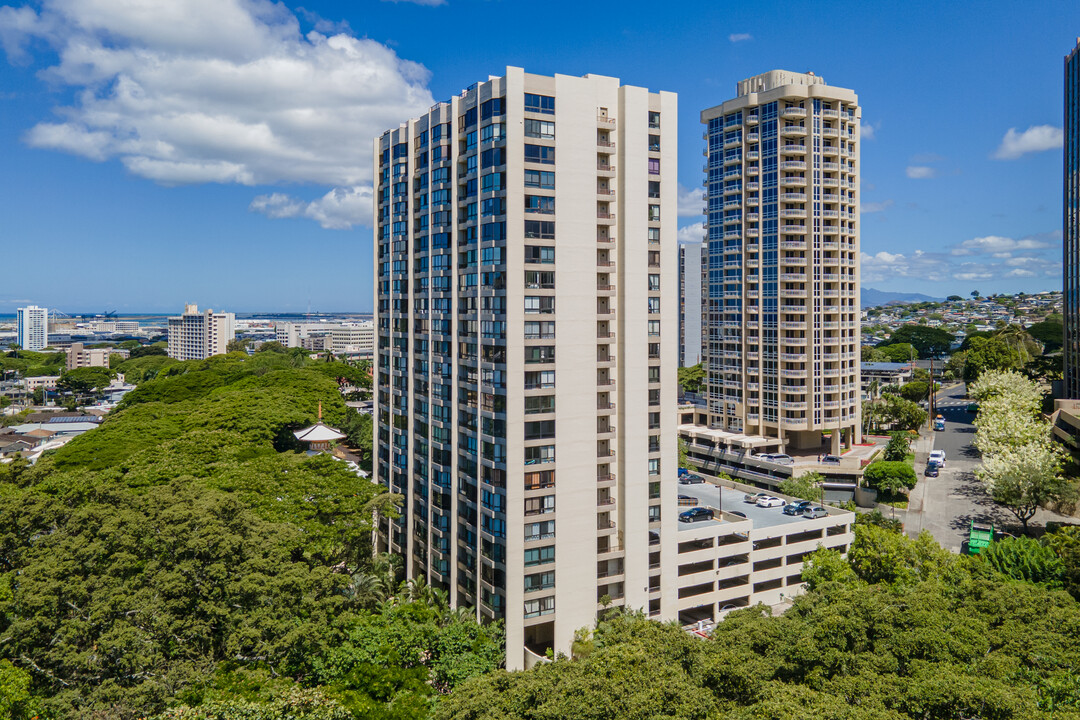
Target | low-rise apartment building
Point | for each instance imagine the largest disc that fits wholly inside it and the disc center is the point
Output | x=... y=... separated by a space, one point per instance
x=78 y=356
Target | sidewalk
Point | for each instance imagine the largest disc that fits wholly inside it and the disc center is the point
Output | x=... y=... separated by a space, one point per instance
x=923 y=446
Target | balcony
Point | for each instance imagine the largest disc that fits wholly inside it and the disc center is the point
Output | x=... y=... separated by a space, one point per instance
x=793 y=357
x=793 y=244
x=793 y=309
x=793 y=182
x=793 y=229
x=793 y=213
x=604 y=121
x=793 y=165
x=801 y=373
x=605 y=146
x=605 y=169
x=793 y=197
x=790 y=293
x=793 y=113
x=793 y=149
x=792 y=131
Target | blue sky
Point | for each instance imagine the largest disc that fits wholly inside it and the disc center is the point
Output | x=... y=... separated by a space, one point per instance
x=218 y=151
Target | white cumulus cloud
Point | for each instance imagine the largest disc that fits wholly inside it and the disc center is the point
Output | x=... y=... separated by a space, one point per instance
x=999 y=246
x=1036 y=138
x=692 y=233
x=739 y=37
x=691 y=201
x=921 y=172
x=867 y=130
x=219 y=91
x=873 y=207
x=339 y=209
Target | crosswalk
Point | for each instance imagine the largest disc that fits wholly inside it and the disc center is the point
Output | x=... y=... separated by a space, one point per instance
x=941 y=404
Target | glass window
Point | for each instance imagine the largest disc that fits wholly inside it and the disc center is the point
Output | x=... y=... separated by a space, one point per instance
x=540 y=606
x=654 y=166
x=492 y=132
x=543 y=229
x=539 y=404
x=539 y=104
x=654 y=283
x=654 y=213
x=543 y=154
x=540 y=129
x=540 y=556
x=545 y=305
x=654 y=120
x=540 y=581
x=540 y=179
x=654 y=143
x=540 y=254
x=540 y=204
x=540 y=530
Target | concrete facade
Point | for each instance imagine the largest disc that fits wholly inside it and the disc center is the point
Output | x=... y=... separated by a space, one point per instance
x=782 y=309
x=198 y=335
x=79 y=357
x=32 y=327
x=526 y=264
x=690 y=280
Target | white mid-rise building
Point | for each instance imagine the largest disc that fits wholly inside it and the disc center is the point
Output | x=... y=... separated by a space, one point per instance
x=526 y=351
x=33 y=327
x=782 y=296
x=353 y=339
x=198 y=335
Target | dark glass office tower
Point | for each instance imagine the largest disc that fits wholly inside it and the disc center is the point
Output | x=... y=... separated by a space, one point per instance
x=1071 y=222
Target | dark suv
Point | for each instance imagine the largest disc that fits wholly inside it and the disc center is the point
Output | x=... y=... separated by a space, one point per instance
x=796 y=507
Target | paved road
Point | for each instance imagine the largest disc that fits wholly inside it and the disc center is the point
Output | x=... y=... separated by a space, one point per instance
x=946 y=505
x=949 y=502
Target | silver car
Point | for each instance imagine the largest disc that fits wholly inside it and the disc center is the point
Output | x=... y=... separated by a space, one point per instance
x=815 y=512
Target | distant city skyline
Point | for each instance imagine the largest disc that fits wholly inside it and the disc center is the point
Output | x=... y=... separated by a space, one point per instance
x=251 y=188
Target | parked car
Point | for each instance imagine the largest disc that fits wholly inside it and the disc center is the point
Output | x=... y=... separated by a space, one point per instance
x=687 y=498
x=931 y=470
x=770 y=502
x=973 y=408
x=691 y=480
x=937 y=457
x=831 y=459
x=778 y=458
x=814 y=513
x=752 y=498
x=695 y=514
x=736 y=512
x=796 y=507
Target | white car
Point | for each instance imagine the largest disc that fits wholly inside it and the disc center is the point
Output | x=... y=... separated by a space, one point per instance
x=937 y=457
x=770 y=502
x=778 y=458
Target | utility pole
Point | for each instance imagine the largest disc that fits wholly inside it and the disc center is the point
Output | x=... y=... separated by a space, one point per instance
x=933 y=395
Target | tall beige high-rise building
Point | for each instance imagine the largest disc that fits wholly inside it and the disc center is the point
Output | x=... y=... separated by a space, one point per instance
x=526 y=350
x=782 y=309
x=198 y=335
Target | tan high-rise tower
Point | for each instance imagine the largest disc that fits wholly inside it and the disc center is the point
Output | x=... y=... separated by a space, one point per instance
x=526 y=349
x=782 y=308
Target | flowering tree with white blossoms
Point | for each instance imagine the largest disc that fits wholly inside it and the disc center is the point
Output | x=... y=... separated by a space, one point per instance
x=1021 y=463
x=1026 y=477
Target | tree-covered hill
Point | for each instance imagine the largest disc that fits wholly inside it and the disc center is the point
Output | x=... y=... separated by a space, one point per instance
x=186 y=552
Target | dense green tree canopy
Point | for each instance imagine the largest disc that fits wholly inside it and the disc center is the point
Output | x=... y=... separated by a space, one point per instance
x=186 y=548
x=927 y=341
x=904 y=629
